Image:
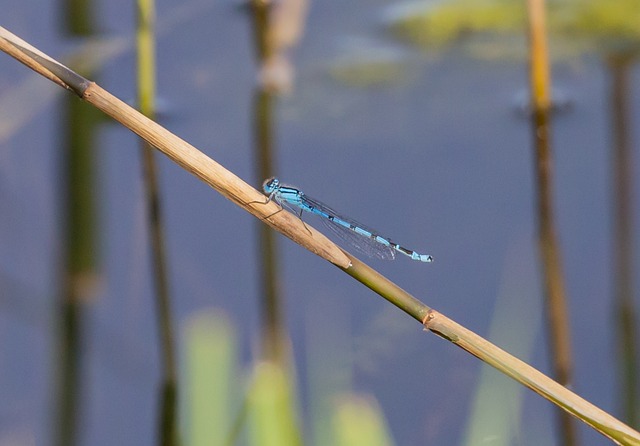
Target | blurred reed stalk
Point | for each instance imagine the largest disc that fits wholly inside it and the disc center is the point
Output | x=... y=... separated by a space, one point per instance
x=146 y=71
x=277 y=27
x=274 y=332
x=251 y=200
x=623 y=225
x=556 y=301
x=271 y=407
x=78 y=17
x=79 y=278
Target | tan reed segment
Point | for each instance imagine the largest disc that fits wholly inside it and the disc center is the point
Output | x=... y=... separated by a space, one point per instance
x=532 y=378
x=215 y=175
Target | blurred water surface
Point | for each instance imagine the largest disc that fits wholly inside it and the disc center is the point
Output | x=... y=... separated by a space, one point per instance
x=429 y=147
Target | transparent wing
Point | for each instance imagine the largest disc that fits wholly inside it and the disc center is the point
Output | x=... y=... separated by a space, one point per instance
x=284 y=204
x=361 y=243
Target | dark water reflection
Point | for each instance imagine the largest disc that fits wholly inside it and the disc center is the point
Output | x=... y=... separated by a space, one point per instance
x=437 y=159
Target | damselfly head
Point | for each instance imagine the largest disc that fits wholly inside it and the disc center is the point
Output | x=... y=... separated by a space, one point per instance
x=270 y=184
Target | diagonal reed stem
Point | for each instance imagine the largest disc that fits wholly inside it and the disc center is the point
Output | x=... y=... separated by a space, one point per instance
x=252 y=201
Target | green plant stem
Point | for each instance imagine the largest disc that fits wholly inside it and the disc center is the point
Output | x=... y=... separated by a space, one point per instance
x=146 y=71
x=371 y=278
